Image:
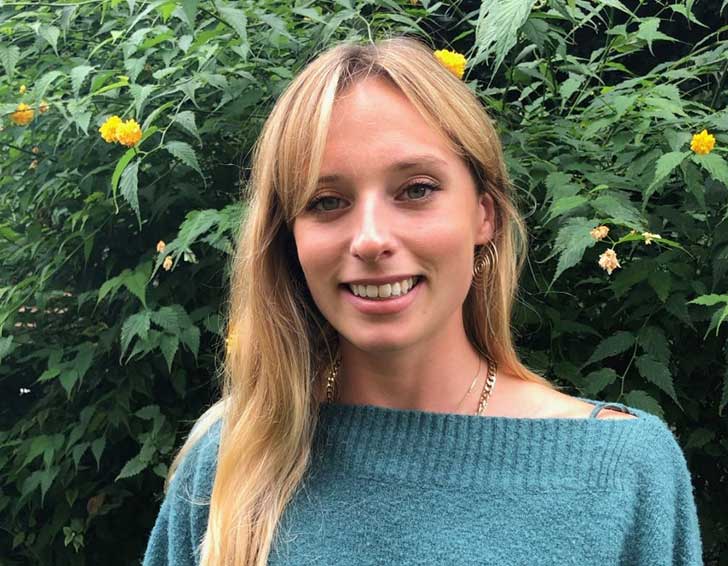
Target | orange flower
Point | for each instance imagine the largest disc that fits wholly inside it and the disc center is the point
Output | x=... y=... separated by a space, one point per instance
x=129 y=133
x=160 y=246
x=23 y=115
x=167 y=263
x=702 y=143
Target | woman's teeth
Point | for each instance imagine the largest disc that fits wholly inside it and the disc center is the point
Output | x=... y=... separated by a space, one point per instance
x=385 y=291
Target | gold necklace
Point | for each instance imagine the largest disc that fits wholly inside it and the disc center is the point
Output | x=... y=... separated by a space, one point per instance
x=484 y=394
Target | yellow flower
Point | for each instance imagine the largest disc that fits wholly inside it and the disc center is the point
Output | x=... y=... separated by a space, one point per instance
x=160 y=246
x=35 y=149
x=22 y=89
x=167 y=263
x=608 y=261
x=23 y=115
x=452 y=60
x=43 y=107
x=702 y=143
x=129 y=133
x=33 y=164
x=649 y=236
x=108 y=129
x=599 y=233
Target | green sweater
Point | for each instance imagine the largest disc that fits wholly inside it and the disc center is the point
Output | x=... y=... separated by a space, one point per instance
x=405 y=487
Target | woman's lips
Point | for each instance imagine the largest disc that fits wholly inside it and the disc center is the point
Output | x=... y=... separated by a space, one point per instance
x=390 y=305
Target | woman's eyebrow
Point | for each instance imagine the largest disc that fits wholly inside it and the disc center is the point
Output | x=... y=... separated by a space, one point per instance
x=409 y=163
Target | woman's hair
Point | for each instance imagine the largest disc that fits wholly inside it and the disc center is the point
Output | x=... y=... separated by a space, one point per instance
x=281 y=345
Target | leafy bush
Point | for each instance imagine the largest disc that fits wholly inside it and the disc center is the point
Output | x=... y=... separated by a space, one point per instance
x=115 y=245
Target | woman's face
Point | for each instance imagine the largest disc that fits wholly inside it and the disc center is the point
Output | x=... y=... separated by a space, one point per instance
x=374 y=222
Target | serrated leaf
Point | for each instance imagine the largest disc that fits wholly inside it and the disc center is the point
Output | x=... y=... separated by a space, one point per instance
x=653 y=341
x=612 y=346
x=666 y=164
x=191 y=338
x=51 y=35
x=643 y=400
x=136 y=281
x=571 y=242
x=596 y=381
x=709 y=300
x=570 y=86
x=148 y=412
x=140 y=94
x=132 y=468
x=497 y=28
x=78 y=74
x=184 y=152
x=129 y=188
x=169 y=345
x=169 y=318
x=9 y=56
x=618 y=208
x=119 y=169
x=658 y=373
x=648 y=30
x=186 y=119
x=565 y=204
x=136 y=325
x=715 y=165
x=235 y=18
x=189 y=9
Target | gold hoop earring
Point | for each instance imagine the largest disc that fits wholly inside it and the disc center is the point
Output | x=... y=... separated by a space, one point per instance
x=484 y=265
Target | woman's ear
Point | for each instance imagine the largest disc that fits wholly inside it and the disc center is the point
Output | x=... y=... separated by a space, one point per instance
x=486 y=219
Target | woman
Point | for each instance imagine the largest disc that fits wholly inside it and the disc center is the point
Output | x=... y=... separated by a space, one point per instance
x=374 y=409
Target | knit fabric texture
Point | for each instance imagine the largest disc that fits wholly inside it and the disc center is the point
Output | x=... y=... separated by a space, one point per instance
x=405 y=487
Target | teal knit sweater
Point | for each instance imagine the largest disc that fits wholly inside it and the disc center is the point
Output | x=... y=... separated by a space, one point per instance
x=405 y=487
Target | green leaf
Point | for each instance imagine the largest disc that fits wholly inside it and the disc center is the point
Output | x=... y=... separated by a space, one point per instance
x=78 y=74
x=657 y=373
x=235 y=18
x=596 y=381
x=140 y=94
x=571 y=242
x=136 y=281
x=563 y=205
x=648 y=31
x=612 y=346
x=186 y=119
x=570 y=86
x=130 y=187
x=148 y=412
x=184 y=152
x=496 y=30
x=68 y=379
x=132 y=468
x=709 y=300
x=666 y=164
x=51 y=35
x=97 y=448
x=619 y=210
x=169 y=345
x=136 y=325
x=119 y=169
x=653 y=341
x=713 y=164
x=9 y=56
x=644 y=401
x=171 y=319
x=191 y=338
x=189 y=9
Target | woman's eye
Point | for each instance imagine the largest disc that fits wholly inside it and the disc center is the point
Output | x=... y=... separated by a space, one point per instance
x=325 y=200
x=419 y=189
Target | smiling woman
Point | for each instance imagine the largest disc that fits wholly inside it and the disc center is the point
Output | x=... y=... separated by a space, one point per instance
x=374 y=408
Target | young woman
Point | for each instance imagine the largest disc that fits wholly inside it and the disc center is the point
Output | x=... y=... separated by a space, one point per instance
x=374 y=409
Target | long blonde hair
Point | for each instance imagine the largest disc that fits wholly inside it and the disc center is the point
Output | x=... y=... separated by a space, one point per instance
x=281 y=346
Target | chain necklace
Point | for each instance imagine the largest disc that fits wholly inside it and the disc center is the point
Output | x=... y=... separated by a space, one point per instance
x=484 y=394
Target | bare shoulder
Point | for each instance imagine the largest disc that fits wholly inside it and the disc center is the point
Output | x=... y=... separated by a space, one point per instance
x=556 y=404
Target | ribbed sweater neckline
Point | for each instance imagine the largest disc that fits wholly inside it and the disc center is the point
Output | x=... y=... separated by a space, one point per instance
x=466 y=450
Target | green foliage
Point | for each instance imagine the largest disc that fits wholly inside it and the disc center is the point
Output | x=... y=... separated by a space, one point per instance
x=109 y=348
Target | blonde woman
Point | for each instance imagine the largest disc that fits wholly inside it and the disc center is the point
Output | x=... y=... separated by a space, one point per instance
x=374 y=409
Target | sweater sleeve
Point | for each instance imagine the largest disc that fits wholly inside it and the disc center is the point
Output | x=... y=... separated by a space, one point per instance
x=666 y=528
x=182 y=519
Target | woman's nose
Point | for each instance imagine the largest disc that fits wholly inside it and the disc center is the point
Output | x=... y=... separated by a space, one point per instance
x=371 y=230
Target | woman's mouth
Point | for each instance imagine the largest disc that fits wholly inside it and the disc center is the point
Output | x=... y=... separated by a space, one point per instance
x=385 y=292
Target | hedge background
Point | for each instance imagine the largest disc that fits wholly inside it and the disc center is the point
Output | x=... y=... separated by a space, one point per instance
x=108 y=354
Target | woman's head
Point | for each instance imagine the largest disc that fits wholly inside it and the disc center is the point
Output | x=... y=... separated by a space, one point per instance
x=353 y=111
